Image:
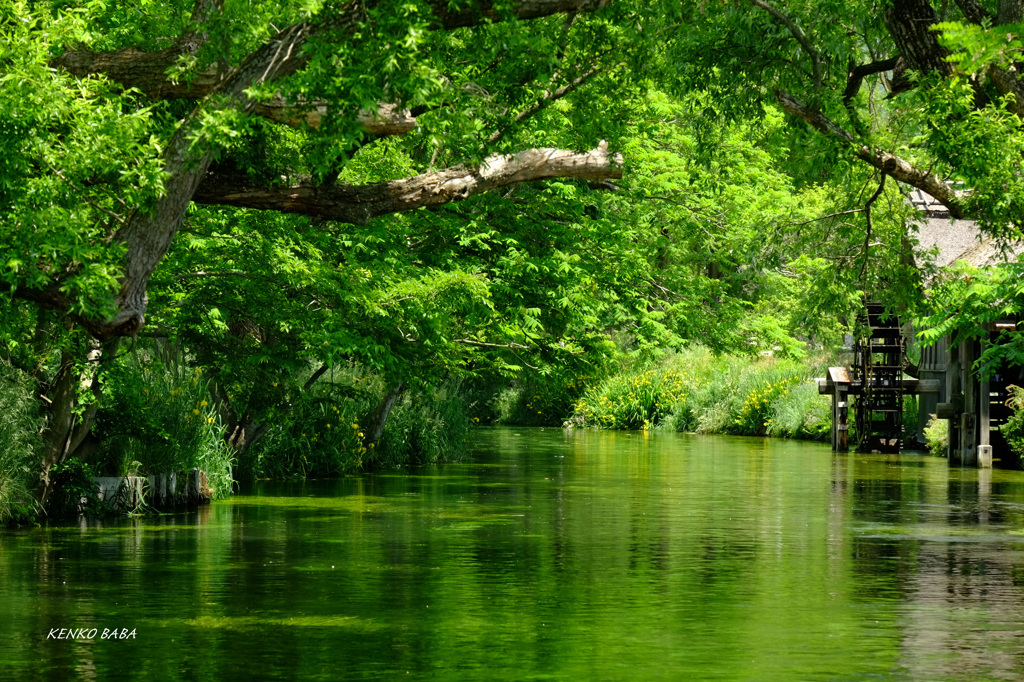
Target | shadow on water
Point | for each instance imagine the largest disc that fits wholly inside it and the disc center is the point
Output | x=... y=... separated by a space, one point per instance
x=551 y=555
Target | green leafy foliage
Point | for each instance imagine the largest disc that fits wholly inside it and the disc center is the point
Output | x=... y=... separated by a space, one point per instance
x=78 y=156
x=1013 y=429
x=937 y=436
x=73 y=490
x=966 y=302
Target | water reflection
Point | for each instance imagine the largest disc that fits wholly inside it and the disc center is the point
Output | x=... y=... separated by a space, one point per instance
x=947 y=542
x=559 y=555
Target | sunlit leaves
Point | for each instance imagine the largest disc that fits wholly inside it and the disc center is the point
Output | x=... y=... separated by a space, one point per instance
x=77 y=160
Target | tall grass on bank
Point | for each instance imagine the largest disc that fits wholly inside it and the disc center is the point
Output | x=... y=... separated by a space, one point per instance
x=426 y=427
x=19 y=434
x=699 y=392
x=159 y=419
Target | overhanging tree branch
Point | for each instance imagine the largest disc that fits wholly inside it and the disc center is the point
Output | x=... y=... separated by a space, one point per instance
x=359 y=203
x=856 y=76
x=890 y=164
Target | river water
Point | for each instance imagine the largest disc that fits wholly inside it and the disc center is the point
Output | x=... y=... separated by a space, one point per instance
x=549 y=555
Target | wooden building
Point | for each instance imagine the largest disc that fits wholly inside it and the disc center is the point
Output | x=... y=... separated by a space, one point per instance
x=945 y=381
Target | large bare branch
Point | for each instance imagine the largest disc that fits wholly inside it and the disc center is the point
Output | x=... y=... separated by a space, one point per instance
x=890 y=164
x=359 y=203
x=148 y=71
x=388 y=119
x=857 y=73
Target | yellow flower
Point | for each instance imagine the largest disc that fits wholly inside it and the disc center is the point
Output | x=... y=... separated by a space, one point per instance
x=328 y=426
x=203 y=404
x=360 y=434
x=195 y=411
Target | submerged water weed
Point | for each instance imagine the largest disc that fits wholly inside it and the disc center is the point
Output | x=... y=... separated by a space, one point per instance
x=160 y=419
x=19 y=429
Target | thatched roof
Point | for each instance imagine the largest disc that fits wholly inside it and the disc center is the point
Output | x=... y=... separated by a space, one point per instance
x=955 y=239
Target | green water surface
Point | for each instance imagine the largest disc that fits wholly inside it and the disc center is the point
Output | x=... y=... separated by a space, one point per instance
x=550 y=555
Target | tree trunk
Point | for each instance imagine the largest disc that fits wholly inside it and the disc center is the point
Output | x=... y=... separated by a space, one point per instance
x=1010 y=12
x=246 y=433
x=60 y=418
x=67 y=433
x=379 y=418
x=909 y=23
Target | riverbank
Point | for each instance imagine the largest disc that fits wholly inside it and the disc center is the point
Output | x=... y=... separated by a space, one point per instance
x=693 y=390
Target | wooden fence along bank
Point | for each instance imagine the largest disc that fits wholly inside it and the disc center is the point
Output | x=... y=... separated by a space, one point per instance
x=162 y=492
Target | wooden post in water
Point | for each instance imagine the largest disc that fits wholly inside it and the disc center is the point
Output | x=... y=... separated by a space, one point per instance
x=969 y=419
x=984 y=417
x=952 y=413
x=840 y=380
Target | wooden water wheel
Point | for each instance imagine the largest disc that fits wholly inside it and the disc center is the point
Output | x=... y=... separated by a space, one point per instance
x=878 y=371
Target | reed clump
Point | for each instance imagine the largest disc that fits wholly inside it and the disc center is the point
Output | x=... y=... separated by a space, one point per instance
x=20 y=426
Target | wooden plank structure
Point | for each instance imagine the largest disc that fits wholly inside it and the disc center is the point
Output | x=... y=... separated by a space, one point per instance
x=162 y=491
x=975 y=400
x=950 y=385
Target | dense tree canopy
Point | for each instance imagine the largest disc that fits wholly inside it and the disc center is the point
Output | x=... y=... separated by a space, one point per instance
x=430 y=190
